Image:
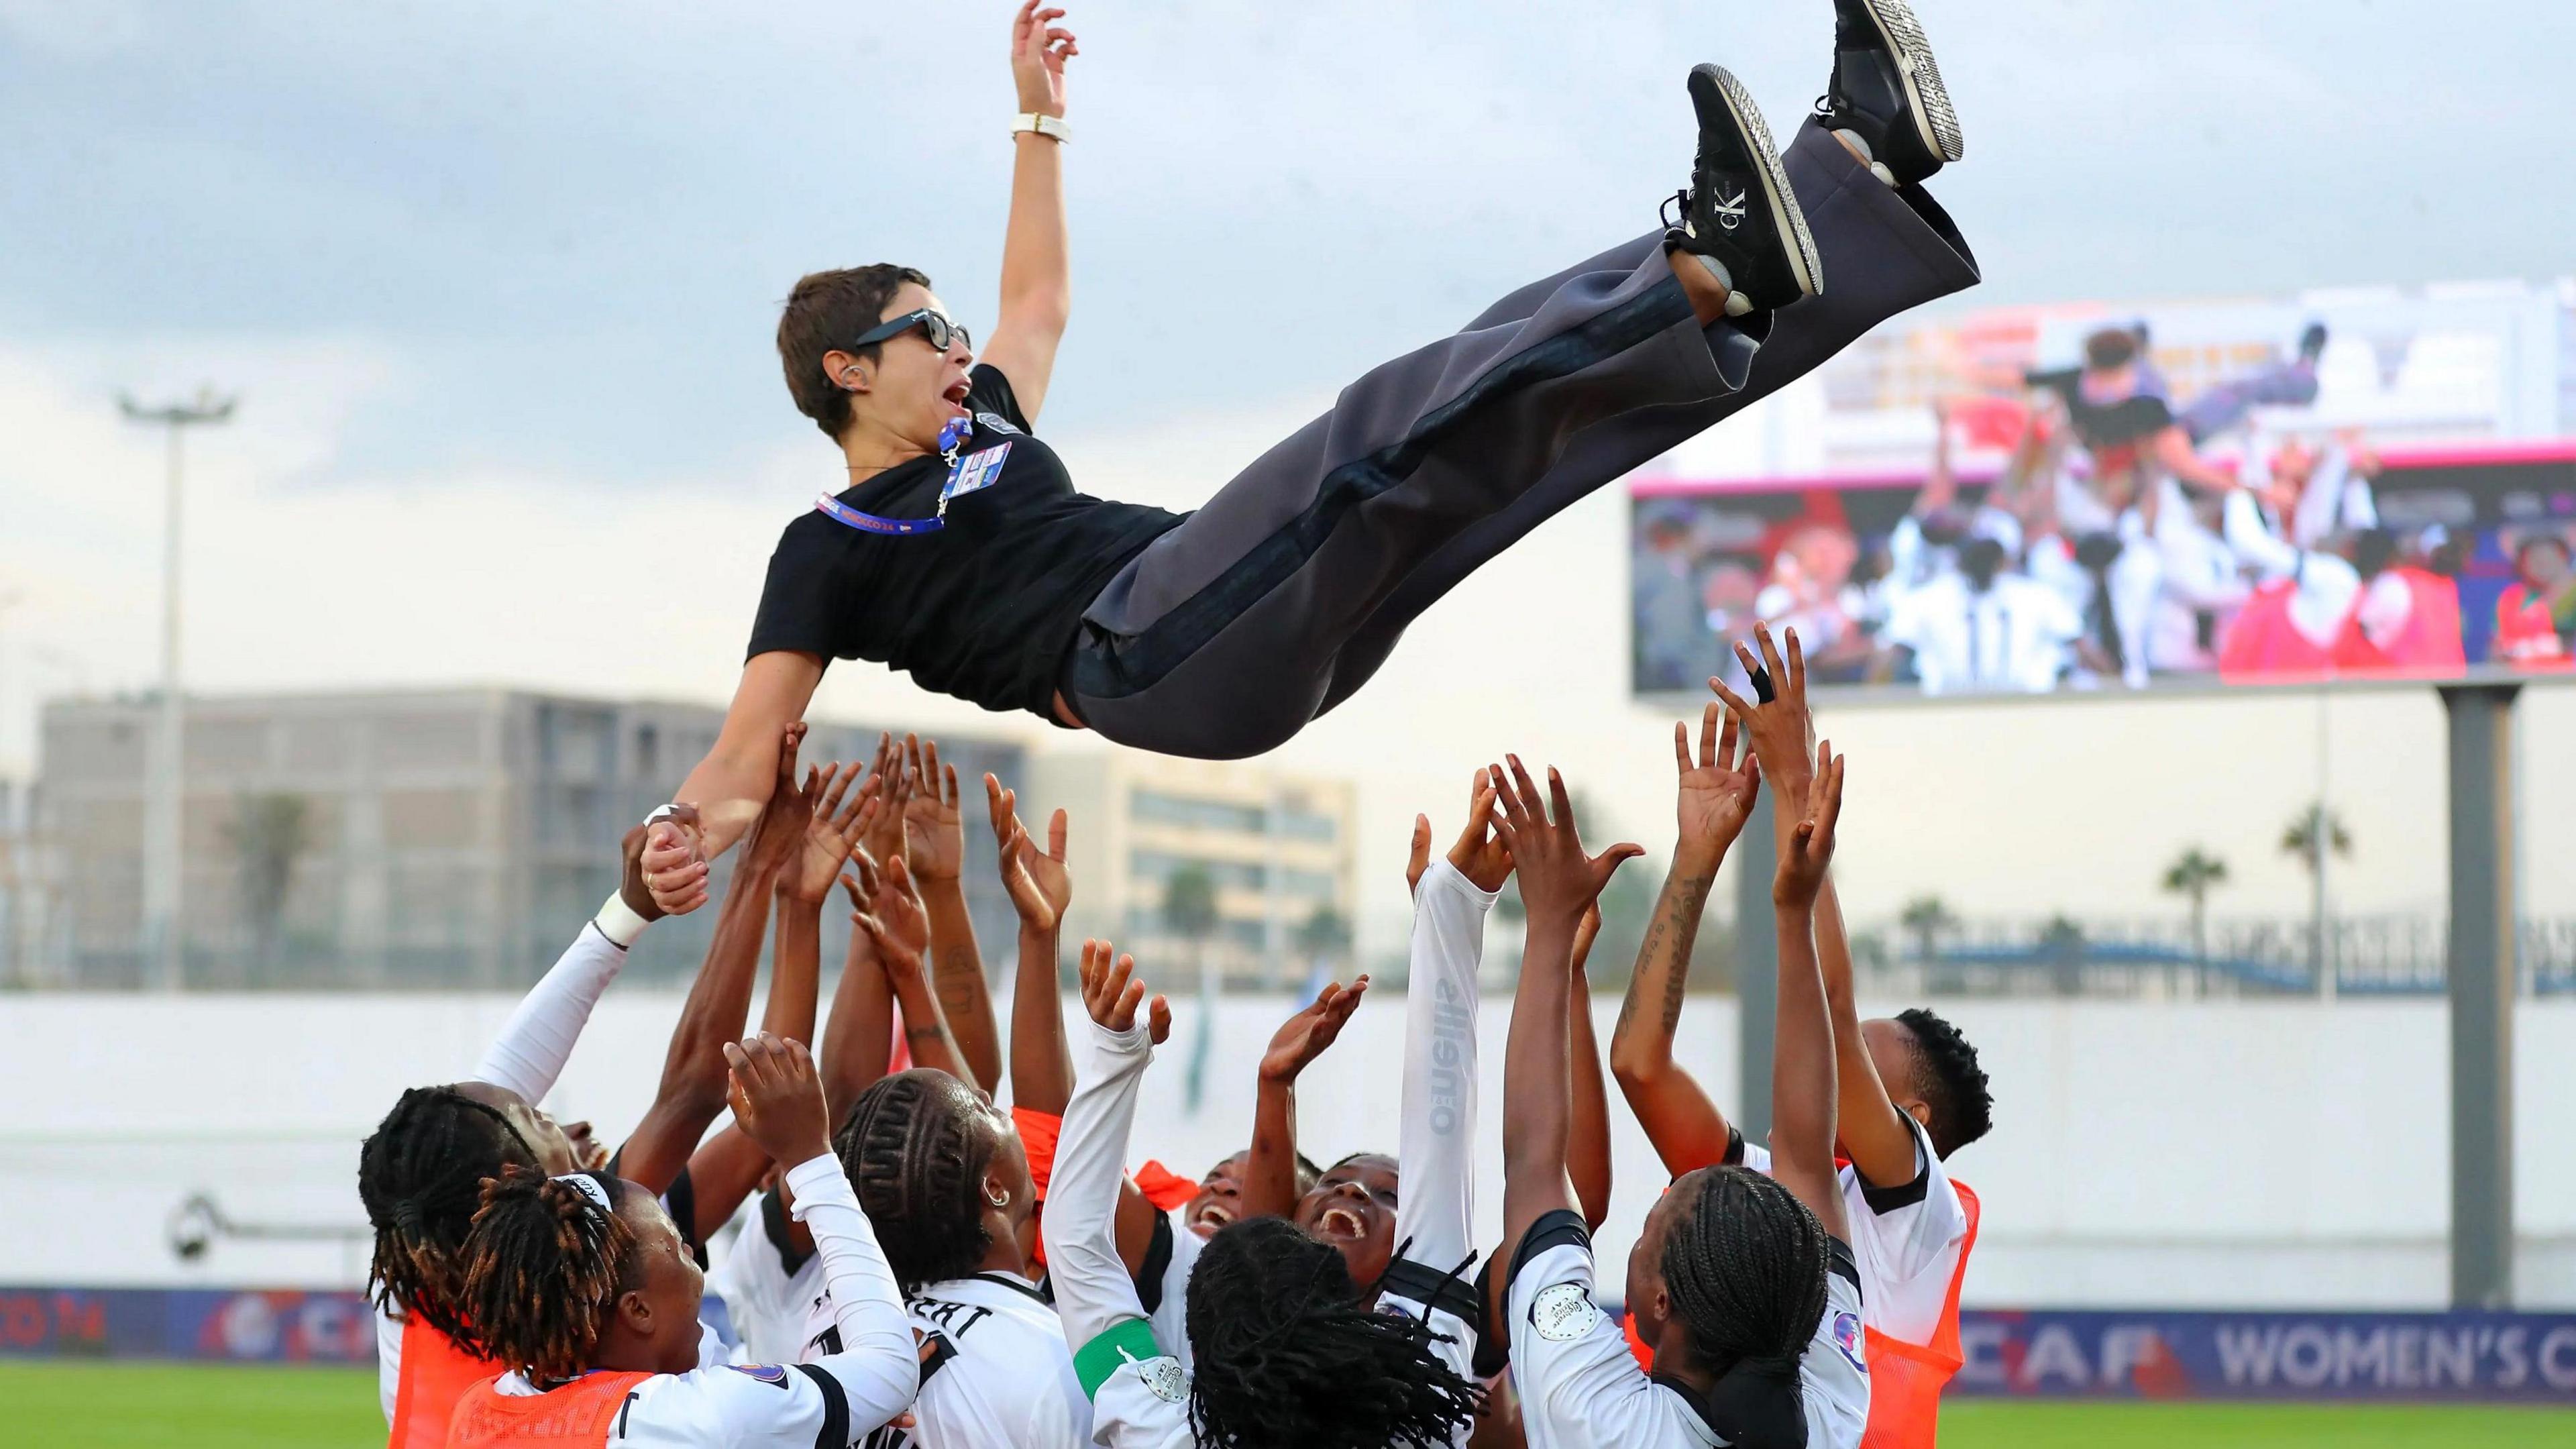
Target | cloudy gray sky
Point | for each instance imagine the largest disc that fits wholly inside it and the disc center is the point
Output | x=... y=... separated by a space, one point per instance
x=497 y=280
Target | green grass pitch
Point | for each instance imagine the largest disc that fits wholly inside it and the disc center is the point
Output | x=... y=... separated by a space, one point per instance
x=84 y=1405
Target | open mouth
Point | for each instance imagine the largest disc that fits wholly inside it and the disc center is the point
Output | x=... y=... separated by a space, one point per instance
x=1341 y=1223
x=956 y=394
x=1210 y=1219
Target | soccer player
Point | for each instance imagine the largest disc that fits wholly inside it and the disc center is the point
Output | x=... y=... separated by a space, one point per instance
x=959 y=552
x=1741 y=1283
x=1281 y=1350
x=1910 y=1090
x=420 y=1172
x=581 y=1284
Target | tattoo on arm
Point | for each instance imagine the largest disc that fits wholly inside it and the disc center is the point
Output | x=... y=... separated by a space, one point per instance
x=1681 y=916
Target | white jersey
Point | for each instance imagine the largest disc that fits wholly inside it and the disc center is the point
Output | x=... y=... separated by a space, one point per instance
x=1906 y=1239
x=2011 y=637
x=762 y=1292
x=995 y=1372
x=1580 y=1386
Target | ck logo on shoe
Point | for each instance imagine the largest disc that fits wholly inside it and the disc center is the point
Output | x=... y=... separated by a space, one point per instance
x=1730 y=211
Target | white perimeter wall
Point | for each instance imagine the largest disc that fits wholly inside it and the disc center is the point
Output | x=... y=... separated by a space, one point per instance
x=2184 y=1155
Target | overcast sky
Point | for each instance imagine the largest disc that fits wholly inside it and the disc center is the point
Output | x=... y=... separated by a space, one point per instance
x=497 y=281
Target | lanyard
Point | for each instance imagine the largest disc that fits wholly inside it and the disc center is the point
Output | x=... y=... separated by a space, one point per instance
x=830 y=505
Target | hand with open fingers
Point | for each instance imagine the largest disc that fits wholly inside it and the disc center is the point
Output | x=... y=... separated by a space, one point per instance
x=779 y=833
x=1039 y=49
x=895 y=922
x=841 y=815
x=1479 y=852
x=934 y=829
x=1111 y=994
x=1304 y=1036
x=1810 y=850
x=883 y=839
x=673 y=863
x=1716 y=792
x=777 y=1098
x=1038 y=884
x=1781 y=730
x=631 y=887
x=1558 y=881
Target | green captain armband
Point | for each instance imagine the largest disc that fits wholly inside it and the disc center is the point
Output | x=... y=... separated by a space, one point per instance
x=1130 y=1340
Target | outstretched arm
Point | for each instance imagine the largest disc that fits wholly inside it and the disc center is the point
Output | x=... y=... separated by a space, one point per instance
x=692 y=1089
x=1040 y=889
x=538 y=1038
x=1716 y=793
x=1870 y=1128
x=1803 y=1084
x=1587 y=1145
x=1270 y=1163
x=728 y=788
x=900 y=932
x=934 y=831
x=1436 y=1123
x=1093 y=1292
x=1037 y=281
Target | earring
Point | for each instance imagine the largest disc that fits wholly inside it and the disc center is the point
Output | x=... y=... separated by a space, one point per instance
x=1001 y=1199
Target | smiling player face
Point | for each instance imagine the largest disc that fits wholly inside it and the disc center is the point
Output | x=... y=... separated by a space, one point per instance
x=1352 y=1207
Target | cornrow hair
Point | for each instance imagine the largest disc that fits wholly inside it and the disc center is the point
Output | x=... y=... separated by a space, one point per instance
x=1283 y=1355
x=1948 y=1077
x=542 y=1269
x=915 y=1146
x=420 y=1176
x=1745 y=1264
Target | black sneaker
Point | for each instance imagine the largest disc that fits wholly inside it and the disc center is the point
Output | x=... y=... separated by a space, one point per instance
x=1887 y=90
x=1739 y=211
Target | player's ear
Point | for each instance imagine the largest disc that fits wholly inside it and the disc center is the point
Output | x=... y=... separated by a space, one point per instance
x=1919 y=1110
x=847 y=372
x=635 y=1311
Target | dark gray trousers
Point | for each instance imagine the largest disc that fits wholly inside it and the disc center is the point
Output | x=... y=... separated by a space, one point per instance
x=1279 y=598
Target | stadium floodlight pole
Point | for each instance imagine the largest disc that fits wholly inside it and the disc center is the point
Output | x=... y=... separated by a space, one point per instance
x=2480 y=974
x=164 y=852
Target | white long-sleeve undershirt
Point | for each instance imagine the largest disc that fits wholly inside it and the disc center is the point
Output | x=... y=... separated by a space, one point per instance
x=538 y=1038
x=877 y=1366
x=1437 y=1128
x=1093 y=1291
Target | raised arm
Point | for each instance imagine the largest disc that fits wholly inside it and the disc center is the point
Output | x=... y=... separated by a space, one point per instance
x=692 y=1089
x=1803 y=1079
x=538 y=1038
x=1870 y=1128
x=726 y=791
x=858 y=1037
x=1436 y=1125
x=1270 y=1163
x=899 y=931
x=1040 y=889
x=1558 y=883
x=934 y=830
x=1037 y=281
x=1587 y=1143
x=1714 y=796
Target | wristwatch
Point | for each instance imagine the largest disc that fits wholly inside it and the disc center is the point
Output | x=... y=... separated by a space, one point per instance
x=1051 y=127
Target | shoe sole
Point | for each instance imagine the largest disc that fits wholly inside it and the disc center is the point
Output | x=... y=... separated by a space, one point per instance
x=1934 y=118
x=1786 y=218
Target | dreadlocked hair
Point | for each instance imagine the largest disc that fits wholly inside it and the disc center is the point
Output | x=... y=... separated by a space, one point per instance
x=1284 y=1355
x=916 y=1145
x=1949 y=1078
x=543 y=1268
x=419 y=1177
x=1745 y=1265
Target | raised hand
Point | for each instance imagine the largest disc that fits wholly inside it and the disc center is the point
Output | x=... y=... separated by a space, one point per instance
x=1039 y=885
x=1039 y=49
x=934 y=830
x=1111 y=996
x=1810 y=850
x=831 y=833
x=883 y=839
x=631 y=886
x=1558 y=881
x=1781 y=730
x=673 y=862
x=895 y=922
x=1716 y=793
x=1478 y=853
x=779 y=833
x=1304 y=1036
x=778 y=1098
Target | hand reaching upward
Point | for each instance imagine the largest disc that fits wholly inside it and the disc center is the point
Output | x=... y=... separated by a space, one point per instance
x=1111 y=995
x=779 y=833
x=777 y=1098
x=934 y=828
x=1039 y=49
x=895 y=922
x=883 y=839
x=1039 y=885
x=1478 y=853
x=1781 y=730
x=1810 y=850
x=1558 y=881
x=1304 y=1036
x=1716 y=793
x=831 y=833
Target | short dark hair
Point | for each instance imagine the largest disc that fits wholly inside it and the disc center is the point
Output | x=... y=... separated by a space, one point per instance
x=2111 y=347
x=1949 y=1079
x=915 y=1146
x=419 y=1176
x=823 y=313
x=1283 y=1353
x=543 y=1269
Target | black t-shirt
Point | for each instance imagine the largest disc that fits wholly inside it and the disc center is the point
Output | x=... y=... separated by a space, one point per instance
x=985 y=608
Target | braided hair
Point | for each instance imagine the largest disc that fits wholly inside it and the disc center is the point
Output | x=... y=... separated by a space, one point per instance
x=418 y=1176
x=1948 y=1077
x=1745 y=1264
x=916 y=1145
x=1284 y=1355
x=542 y=1271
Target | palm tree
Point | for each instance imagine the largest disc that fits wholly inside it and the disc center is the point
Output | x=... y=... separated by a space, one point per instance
x=267 y=833
x=2062 y=946
x=2311 y=835
x=2195 y=873
x=1927 y=917
x=1189 y=912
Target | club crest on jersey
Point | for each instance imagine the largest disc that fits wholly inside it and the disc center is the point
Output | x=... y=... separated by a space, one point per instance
x=774 y=1375
x=1847 y=1338
x=1163 y=1378
x=1563 y=1313
x=974 y=471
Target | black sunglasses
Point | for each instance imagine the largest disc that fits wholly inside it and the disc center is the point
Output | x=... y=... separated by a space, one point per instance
x=934 y=326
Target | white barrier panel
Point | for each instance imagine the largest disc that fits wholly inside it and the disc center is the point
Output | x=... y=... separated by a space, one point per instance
x=2207 y=1155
